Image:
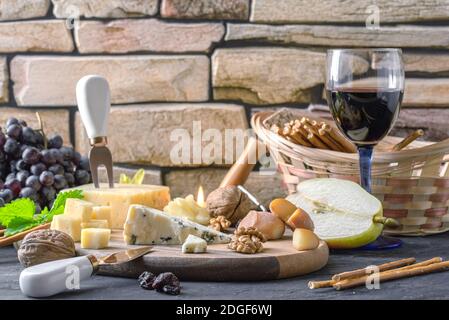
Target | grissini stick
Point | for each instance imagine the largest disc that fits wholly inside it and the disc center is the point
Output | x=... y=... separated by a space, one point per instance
x=348 y=146
x=407 y=140
x=393 y=275
x=240 y=170
x=382 y=267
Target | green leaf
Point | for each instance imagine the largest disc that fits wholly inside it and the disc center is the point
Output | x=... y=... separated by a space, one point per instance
x=23 y=209
x=59 y=204
x=124 y=178
x=18 y=225
x=138 y=177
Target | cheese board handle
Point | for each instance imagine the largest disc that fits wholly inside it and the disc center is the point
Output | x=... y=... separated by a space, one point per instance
x=94 y=102
x=50 y=278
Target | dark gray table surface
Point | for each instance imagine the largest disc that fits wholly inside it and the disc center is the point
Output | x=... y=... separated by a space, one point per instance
x=431 y=286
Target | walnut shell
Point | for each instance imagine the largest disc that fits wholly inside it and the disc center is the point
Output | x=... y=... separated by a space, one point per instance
x=230 y=202
x=45 y=245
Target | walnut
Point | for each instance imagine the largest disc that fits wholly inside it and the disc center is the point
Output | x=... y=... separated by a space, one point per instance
x=229 y=202
x=247 y=240
x=45 y=245
x=219 y=223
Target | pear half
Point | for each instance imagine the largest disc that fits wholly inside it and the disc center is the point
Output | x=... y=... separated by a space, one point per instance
x=343 y=212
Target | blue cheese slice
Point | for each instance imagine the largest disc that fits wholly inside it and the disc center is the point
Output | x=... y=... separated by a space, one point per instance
x=194 y=244
x=146 y=225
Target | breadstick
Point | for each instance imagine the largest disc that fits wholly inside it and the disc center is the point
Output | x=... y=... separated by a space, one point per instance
x=382 y=267
x=407 y=140
x=326 y=137
x=295 y=137
x=314 y=140
x=348 y=146
x=393 y=275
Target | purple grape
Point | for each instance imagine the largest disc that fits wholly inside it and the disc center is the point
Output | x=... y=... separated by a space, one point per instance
x=11 y=121
x=12 y=165
x=23 y=123
x=22 y=176
x=57 y=155
x=10 y=176
x=67 y=152
x=31 y=155
x=6 y=195
x=46 y=178
x=76 y=158
x=56 y=169
x=48 y=193
x=55 y=142
x=48 y=157
x=14 y=131
x=60 y=182
x=68 y=166
x=33 y=182
x=82 y=177
x=28 y=136
x=84 y=164
x=28 y=192
x=70 y=178
x=2 y=139
x=38 y=168
x=14 y=186
x=11 y=147
x=21 y=165
x=37 y=205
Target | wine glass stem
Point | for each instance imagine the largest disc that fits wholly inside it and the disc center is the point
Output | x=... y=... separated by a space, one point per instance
x=365 y=159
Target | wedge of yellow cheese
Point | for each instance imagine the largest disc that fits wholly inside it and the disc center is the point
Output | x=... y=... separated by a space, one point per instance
x=68 y=224
x=95 y=224
x=102 y=213
x=122 y=196
x=95 y=238
x=78 y=208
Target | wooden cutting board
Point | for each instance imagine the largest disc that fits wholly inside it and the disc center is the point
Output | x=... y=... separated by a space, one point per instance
x=278 y=260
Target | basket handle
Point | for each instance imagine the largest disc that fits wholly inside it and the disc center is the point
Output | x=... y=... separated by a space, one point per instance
x=240 y=170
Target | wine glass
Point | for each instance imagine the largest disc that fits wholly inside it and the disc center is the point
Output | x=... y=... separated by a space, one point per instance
x=364 y=89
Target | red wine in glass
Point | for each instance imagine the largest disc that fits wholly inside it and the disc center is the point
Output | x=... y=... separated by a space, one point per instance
x=364 y=89
x=364 y=115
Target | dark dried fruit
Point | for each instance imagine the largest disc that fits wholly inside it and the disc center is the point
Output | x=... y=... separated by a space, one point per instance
x=168 y=283
x=146 y=280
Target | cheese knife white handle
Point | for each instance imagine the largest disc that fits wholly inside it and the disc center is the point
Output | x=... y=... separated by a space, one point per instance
x=50 y=278
x=94 y=101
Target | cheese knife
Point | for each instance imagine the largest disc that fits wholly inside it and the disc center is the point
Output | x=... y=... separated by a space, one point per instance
x=47 y=279
x=93 y=98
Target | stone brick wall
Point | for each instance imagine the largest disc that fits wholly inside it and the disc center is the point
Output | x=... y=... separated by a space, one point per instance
x=172 y=62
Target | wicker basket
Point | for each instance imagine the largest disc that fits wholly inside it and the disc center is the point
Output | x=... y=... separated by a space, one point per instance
x=413 y=184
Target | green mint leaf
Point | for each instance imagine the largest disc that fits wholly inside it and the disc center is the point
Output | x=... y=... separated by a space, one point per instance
x=23 y=209
x=59 y=204
x=18 y=225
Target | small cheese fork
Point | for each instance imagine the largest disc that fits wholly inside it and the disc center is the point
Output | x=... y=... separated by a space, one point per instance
x=93 y=98
x=50 y=278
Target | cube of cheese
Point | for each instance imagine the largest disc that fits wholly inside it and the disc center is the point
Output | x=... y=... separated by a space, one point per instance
x=95 y=224
x=102 y=213
x=68 y=224
x=95 y=238
x=194 y=244
x=124 y=195
x=78 y=208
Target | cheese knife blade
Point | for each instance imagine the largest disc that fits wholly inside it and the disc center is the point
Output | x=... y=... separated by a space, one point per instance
x=94 y=102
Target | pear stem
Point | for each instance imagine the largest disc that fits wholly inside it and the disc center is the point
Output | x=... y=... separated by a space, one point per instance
x=388 y=222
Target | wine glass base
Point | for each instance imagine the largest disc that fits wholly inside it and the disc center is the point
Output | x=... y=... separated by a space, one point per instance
x=383 y=243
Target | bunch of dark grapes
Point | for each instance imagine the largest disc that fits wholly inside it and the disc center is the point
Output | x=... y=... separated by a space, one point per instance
x=29 y=170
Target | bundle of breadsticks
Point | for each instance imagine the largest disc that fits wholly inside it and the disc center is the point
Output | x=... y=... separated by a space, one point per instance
x=319 y=134
x=314 y=134
x=398 y=269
